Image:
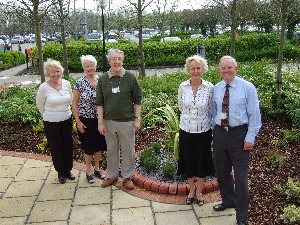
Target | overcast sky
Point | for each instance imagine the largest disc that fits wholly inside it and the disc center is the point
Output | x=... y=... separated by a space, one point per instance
x=115 y=4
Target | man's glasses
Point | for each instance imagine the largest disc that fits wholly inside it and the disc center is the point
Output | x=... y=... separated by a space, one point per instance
x=226 y=67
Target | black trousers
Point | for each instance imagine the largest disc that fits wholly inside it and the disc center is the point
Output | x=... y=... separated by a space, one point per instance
x=228 y=149
x=59 y=137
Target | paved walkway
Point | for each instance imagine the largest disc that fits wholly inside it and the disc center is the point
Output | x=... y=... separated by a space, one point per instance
x=31 y=194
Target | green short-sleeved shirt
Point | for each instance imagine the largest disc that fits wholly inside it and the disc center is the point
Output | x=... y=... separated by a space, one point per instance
x=118 y=95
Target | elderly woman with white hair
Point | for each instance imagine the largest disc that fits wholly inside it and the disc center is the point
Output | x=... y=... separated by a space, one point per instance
x=85 y=114
x=53 y=100
x=195 y=99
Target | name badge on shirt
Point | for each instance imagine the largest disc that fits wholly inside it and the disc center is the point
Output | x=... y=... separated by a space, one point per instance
x=223 y=116
x=94 y=94
x=115 y=90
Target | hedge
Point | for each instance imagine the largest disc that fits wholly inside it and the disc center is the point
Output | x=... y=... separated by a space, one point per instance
x=248 y=48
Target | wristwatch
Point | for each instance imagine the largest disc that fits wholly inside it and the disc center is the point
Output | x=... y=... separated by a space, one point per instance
x=137 y=117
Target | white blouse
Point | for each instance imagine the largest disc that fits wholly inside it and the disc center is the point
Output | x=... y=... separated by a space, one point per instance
x=196 y=111
x=54 y=105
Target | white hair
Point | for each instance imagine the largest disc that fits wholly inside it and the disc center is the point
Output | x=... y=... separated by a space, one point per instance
x=90 y=58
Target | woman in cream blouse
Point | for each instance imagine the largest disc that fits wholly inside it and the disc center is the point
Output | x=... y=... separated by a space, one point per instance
x=53 y=100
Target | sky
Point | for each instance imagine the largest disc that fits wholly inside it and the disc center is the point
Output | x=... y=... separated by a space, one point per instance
x=115 y=4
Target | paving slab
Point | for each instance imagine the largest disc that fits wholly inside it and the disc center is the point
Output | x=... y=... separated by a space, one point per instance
x=92 y=195
x=4 y=183
x=9 y=171
x=8 y=161
x=161 y=207
x=33 y=174
x=52 y=192
x=36 y=163
x=19 y=206
x=90 y=215
x=24 y=188
x=133 y=216
x=179 y=217
x=208 y=211
x=13 y=220
x=122 y=200
x=218 y=220
x=49 y=211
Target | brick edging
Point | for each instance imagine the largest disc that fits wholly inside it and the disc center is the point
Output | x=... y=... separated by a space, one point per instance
x=170 y=189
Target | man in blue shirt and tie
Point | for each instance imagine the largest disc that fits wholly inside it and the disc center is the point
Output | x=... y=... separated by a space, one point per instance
x=236 y=121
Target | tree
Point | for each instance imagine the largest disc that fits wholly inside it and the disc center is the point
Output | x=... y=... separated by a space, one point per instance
x=140 y=7
x=283 y=5
x=63 y=12
x=36 y=9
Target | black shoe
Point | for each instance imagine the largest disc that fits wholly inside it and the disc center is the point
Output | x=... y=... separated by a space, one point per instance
x=70 y=176
x=189 y=201
x=241 y=223
x=221 y=207
x=62 y=179
x=99 y=174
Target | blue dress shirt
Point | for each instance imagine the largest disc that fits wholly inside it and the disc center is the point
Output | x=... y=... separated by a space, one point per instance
x=243 y=106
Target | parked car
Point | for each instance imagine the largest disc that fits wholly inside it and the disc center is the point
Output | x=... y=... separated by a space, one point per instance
x=26 y=38
x=167 y=39
x=32 y=39
x=7 y=44
x=17 y=39
x=93 y=37
x=197 y=36
x=112 y=37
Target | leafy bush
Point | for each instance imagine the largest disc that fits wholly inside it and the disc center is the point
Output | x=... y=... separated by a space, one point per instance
x=291 y=189
x=291 y=215
x=275 y=159
x=149 y=159
x=248 y=48
x=10 y=59
x=18 y=104
x=169 y=170
x=156 y=146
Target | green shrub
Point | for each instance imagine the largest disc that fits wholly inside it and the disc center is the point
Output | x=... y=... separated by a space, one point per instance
x=156 y=147
x=42 y=146
x=18 y=105
x=275 y=159
x=248 y=48
x=169 y=170
x=291 y=215
x=291 y=189
x=149 y=159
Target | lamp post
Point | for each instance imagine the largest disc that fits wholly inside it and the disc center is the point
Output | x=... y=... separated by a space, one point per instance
x=102 y=4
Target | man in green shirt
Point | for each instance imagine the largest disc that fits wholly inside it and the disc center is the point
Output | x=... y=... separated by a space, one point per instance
x=118 y=100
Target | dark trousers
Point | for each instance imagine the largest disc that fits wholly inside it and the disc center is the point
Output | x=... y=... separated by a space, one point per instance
x=59 y=137
x=228 y=150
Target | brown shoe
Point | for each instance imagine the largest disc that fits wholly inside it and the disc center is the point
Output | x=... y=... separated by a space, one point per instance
x=128 y=184
x=109 y=182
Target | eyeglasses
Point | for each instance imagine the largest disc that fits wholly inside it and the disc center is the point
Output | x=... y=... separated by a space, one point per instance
x=226 y=67
x=116 y=59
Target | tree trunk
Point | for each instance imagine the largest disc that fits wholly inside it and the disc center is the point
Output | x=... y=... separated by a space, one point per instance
x=38 y=41
x=284 y=8
x=63 y=40
x=233 y=28
x=141 y=66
